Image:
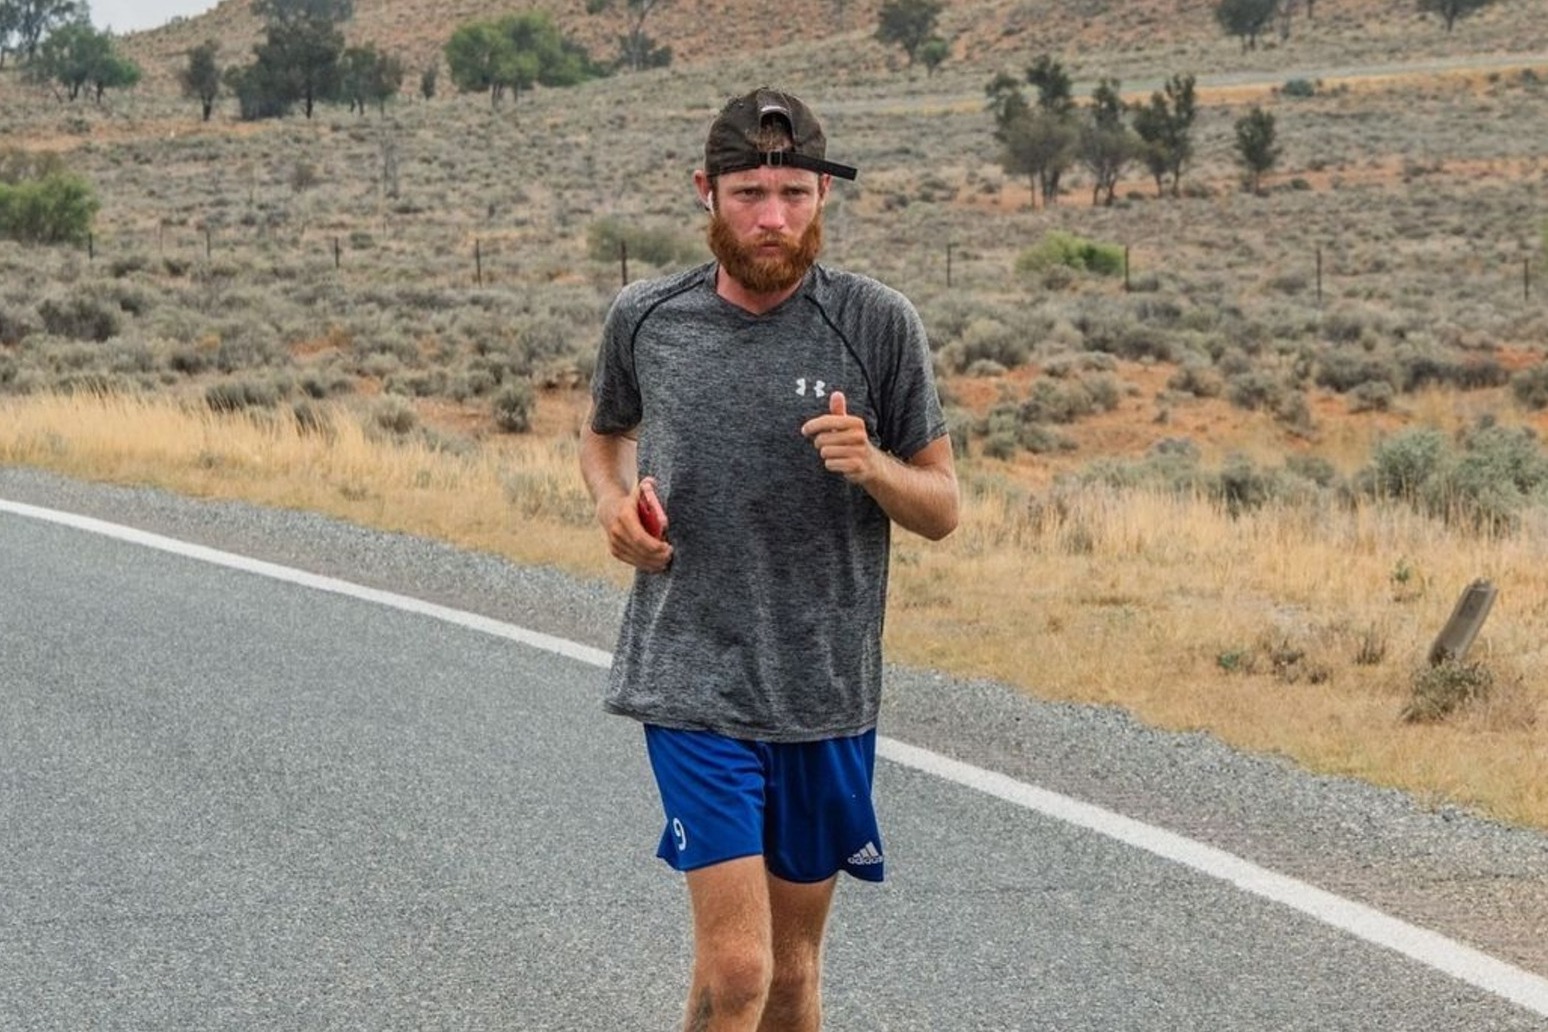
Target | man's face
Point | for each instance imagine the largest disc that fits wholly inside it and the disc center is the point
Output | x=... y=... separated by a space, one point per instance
x=766 y=230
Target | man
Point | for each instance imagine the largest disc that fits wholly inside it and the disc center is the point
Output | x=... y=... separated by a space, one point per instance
x=775 y=418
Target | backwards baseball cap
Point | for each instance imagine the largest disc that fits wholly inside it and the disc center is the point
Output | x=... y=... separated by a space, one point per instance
x=733 y=146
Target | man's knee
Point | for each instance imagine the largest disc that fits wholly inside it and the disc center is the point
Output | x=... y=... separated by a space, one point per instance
x=737 y=976
x=796 y=980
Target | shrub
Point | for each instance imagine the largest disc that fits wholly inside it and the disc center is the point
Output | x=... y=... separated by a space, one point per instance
x=79 y=318
x=394 y=414
x=1255 y=390
x=513 y=407
x=311 y=419
x=1371 y=396
x=1299 y=88
x=236 y=395
x=606 y=236
x=1404 y=462
x=58 y=208
x=1440 y=690
x=13 y=328
x=1058 y=248
x=987 y=339
x=1197 y=378
x=1530 y=386
x=1343 y=369
x=1473 y=374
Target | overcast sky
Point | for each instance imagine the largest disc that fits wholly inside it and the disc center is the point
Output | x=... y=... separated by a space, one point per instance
x=130 y=15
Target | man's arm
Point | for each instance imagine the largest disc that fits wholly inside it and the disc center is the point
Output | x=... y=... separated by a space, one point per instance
x=919 y=495
x=608 y=463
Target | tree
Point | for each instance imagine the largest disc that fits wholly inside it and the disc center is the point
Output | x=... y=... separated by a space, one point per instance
x=1041 y=146
x=1165 y=126
x=32 y=20
x=1056 y=101
x=301 y=59
x=1451 y=10
x=67 y=56
x=934 y=52
x=288 y=12
x=1055 y=88
x=368 y=76
x=515 y=53
x=473 y=57
x=201 y=76
x=1246 y=19
x=907 y=23
x=1106 y=145
x=298 y=60
x=636 y=50
x=257 y=94
x=1006 y=103
x=1256 y=149
x=10 y=21
x=115 y=72
x=427 y=81
x=78 y=56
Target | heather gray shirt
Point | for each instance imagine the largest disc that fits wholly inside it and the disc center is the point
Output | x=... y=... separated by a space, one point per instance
x=768 y=623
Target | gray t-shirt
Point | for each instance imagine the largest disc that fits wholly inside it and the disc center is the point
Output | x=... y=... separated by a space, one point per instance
x=768 y=623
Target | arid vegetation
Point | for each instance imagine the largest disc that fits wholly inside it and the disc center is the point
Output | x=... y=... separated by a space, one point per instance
x=1230 y=457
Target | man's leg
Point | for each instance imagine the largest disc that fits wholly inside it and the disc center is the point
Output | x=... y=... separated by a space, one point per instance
x=733 y=949
x=799 y=915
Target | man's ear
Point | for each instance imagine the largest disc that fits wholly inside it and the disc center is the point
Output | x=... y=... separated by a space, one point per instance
x=704 y=186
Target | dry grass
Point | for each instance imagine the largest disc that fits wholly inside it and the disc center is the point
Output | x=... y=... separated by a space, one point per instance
x=1296 y=631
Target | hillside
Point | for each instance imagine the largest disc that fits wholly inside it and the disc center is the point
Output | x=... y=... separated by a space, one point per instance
x=985 y=33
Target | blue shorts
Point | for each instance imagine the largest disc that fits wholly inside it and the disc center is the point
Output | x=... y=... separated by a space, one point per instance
x=805 y=807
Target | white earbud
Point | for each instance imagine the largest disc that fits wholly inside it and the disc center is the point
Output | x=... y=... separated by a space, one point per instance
x=709 y=202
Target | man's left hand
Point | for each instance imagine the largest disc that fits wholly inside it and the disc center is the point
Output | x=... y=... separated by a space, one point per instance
x=842 y=441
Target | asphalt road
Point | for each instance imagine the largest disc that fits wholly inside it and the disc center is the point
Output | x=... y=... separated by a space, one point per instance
x=230 y=801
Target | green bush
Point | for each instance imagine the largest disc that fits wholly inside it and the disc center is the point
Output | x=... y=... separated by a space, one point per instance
x=1058 y=249
x=57 y=208
x=606 y=237
x=1404 y=462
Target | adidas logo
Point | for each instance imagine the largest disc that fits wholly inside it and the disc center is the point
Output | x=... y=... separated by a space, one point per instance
x=867 y=855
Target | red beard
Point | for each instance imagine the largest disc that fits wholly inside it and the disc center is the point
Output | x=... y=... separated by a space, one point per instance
x=761 y=273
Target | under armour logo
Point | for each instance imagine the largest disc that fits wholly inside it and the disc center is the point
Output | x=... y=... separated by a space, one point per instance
x=819 y=388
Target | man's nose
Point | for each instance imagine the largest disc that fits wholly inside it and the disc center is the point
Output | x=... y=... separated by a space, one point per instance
x=772 y=214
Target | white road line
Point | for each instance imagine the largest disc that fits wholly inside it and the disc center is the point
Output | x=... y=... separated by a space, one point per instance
x=1446 y=955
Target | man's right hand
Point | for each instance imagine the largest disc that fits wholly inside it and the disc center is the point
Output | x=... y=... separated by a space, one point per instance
x=627 y=538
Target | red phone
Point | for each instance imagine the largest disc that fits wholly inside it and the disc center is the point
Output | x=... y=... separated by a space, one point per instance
x=652 y=515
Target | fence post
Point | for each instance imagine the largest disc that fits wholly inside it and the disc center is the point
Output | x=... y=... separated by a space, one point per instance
x=337 y=254
x=1526 y=279
x=478 y=262
x=623 y=260
x=209 y=242
x=948 y=266
x=1319 y=275
x=1467 y=618
x=91 y=248
x=1126 y=288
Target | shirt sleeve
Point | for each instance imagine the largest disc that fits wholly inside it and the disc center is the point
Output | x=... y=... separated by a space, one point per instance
x=911 y=416
x=615 y=390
